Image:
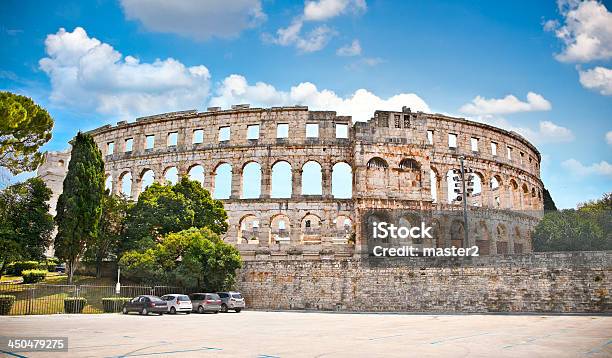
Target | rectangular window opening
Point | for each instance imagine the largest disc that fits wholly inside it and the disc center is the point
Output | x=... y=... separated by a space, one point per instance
x=474 y=144
x=282 y=130
x=312 y=130
x=430 y=137
x=198 y=136
x=172 y=139
x=128 y=144
x=150 y=142
x=224 y=134
x=341 y=130
x=452 y=140
x=110 y=148
x=253 y=132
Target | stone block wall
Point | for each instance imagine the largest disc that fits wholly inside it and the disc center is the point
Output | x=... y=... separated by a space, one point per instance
x=539 y=282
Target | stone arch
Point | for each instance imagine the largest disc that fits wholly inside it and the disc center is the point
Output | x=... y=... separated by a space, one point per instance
x=437 y=233
x=477 y=194
x=171 y=175
x=147 y=178
x=251 y=180
x=312 y=178
x=342 y=228
x=342 y=180
x=483 y=240
x=196 y=172
x=495 y=191
x=280 y=226
x=517 y=241
x=451 y=179
x=377 y=174
x=457 y=233
x=126 y=183
x=248 y=229
x=409 y=175
x=108 y=183
x=501 y=239
x=525 y=196
x=223 y=181
x=515 y=196
x=434 y=179
x=311 y=228
x=281 y=180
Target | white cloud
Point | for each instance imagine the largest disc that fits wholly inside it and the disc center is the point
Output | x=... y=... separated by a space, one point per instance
x=325 y=9
x=360 y=104
x=317 y=38
x=579 y=169
x=195 y=18
x=597 y=79
x=546 y=132
x=586 y=32
x=508 y=104
x=609 y=137
x=91 y=75
x=354 y=49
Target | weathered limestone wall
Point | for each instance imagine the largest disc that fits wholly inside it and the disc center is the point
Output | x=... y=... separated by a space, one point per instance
x=539 y=282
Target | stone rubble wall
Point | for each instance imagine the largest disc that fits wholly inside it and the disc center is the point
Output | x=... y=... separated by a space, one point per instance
x=563 y=282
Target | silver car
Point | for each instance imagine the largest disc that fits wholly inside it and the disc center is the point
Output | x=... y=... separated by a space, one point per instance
x=231 y=301
x=178 y=303
x=205 y=302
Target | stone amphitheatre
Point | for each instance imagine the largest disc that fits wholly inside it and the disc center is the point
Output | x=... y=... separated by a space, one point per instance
x=295 y=180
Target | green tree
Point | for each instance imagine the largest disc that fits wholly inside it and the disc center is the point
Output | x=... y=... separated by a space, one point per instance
x=163 y=209
x=585 y=229
x=110 y=231
x=24 y=128
x=549 y=204
x=192 y=258
x=25 y=223
x=79 y=207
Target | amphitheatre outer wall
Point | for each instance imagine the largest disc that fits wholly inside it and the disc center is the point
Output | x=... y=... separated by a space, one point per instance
x=390 y=162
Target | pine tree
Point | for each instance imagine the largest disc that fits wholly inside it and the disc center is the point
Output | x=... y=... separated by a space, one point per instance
x=79 y=207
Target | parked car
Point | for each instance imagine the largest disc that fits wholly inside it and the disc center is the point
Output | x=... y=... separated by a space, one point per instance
x=205 y=302
x=231 y=301
x=145 y=304
x=178 y=303
x=60 y=268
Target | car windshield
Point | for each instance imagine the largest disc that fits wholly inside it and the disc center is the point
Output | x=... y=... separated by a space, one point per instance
x=183 y=298
x=214 y=296
x=236 y=295
x=155 y=299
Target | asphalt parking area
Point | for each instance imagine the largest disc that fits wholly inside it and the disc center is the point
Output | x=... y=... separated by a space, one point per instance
x=306 y=334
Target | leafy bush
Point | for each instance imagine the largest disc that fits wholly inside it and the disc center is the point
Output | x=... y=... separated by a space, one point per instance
x=17 y=268
x=51 y=263
x=113 y=304
x=74 y=304
x=33 y=276
x=6 y=303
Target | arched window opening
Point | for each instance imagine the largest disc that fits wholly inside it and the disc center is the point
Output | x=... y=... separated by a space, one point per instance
x=126 y=184
x=377 y=163
x=172 y=175
x=223 y=181
x=342 y=181
x=148 y=177
x=433 y=183
x=409 y=164
x=197 y=173
x=312 y=179
x=251 y=181
x=281 y=180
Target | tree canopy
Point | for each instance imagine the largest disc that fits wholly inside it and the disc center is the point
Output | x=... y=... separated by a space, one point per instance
x=163 y=209
x=549 y=203
x=193 y=258
x=24 y=128
x=79 y=207
x=584 y=229
x=25 y=223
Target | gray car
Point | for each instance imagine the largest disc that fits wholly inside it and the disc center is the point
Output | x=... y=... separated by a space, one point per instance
x=231 y=301
x=205 y=302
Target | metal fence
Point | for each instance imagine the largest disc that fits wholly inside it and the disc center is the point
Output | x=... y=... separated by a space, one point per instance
x=38 y=298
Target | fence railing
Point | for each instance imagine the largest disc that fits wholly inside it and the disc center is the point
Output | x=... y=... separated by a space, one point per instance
x=32 y=299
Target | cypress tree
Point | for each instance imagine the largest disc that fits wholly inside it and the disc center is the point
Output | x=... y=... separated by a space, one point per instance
x=79 y=207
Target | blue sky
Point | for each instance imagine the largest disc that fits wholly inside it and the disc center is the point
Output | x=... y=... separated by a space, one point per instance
x=543 y=69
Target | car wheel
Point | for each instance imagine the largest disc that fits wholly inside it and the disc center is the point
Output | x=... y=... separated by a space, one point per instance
x=160 y=313
x=124 y=310
x=238 y=310
x=172 y=310
x=224 y=308
x=187 y=312
x=215 y=312
x=144 y=312
x=200 y=309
